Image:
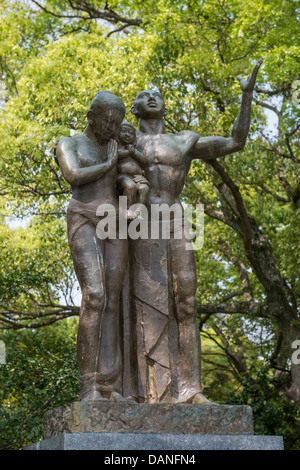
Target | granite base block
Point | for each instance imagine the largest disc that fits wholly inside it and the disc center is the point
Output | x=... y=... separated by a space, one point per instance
x=143 y=441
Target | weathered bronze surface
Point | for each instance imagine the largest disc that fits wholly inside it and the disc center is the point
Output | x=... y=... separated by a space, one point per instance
x=108 y=417
x=138 y=336
x=88 y=163
x=130 y=181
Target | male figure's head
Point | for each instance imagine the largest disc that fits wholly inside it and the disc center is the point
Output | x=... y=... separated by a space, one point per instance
x=127 y=134
x=105 y=115
x=149 y=104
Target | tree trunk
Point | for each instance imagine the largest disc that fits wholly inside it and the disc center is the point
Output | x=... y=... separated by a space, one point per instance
x=280 y=305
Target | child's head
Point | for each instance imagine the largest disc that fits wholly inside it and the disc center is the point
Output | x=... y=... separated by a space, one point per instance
x=127 y=133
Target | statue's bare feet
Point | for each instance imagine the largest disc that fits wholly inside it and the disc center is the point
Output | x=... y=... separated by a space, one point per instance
x=115 y=396
x=200 y=399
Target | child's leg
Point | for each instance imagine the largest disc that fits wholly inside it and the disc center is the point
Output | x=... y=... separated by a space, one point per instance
x=143 y=192
x=127 y=187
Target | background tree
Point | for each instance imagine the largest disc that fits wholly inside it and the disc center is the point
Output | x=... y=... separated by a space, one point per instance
x=55 y=55
x=40 y=371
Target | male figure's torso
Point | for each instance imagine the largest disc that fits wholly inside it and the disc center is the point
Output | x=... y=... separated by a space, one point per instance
x=166 y=169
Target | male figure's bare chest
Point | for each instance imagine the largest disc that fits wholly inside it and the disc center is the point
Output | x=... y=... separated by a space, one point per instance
x=160 y=149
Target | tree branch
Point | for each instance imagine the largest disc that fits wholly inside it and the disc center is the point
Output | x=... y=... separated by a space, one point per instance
x=268 y=106
x=268 y=92
x=92 y=14
x=258 y=250
x=278 y=198
x=251 y=308
x=243 y=274
x=244 y=217
x=296 y=193
x=16 y=319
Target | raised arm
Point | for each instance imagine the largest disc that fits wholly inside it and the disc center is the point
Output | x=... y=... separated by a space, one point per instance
x=69 y=165
x=208 y=148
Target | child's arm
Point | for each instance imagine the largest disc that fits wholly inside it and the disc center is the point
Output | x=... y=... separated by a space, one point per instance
x=137 y=155
x=123 y=153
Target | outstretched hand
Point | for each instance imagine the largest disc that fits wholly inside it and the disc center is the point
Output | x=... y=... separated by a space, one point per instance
x=248 y=84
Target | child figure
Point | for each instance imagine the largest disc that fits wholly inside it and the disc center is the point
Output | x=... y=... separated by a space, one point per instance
x=131 y=181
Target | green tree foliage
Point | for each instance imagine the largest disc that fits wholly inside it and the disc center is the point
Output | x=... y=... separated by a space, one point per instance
x=272 y=414
x=40 y=372
x=37 y=283
x=55 y=55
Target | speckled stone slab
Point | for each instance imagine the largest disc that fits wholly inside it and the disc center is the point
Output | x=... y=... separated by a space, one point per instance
x=177 y=442
x=131 y=417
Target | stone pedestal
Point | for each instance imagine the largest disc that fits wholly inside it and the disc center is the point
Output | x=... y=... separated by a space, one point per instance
x=126 y=416
x=154 y=442
x=126 y=425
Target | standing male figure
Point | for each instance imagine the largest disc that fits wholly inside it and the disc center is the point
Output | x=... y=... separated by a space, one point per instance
x=168 y=339
x=88 y=162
